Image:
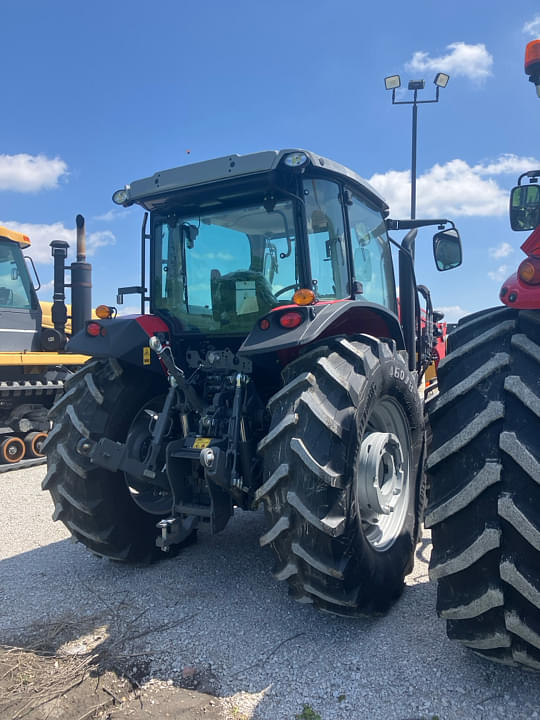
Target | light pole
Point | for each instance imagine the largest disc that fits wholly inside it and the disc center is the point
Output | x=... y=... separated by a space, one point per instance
x=393 y=82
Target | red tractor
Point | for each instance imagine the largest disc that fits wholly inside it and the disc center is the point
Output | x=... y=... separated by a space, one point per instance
x=273 y=369
x=484 y=508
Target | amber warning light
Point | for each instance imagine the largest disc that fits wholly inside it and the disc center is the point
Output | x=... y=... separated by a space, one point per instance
x=303 y=297
x=532 y=63
x=532 y=56
x=104 y=312
x=529 y=271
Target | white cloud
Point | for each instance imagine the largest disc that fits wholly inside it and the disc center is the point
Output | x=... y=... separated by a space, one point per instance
x=472 y=61
x=42 y=235
x=507 y=163
x=30 y=173
x=500 y=274
x=128 y=310
x=501 y=251
x=115 y=213
x=96 y=240
x=108 y=216
x=532 y=27
x=451 y=190
x=46 y=290
x=452 y=313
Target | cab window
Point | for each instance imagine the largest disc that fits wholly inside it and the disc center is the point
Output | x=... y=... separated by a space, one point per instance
x=14 y=281
x=326 y=234
x=372 y=258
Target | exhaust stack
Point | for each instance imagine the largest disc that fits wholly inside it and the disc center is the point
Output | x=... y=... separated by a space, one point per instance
x=81 y=282
x=81 y=238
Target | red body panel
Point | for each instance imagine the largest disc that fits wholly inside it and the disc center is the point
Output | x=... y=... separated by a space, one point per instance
x=514 y=292
x=152 y=324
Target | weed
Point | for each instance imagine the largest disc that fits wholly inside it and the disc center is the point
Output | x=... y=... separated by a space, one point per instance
x=308 y=713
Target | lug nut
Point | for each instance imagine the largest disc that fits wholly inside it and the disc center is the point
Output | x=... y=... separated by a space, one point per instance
x=84 y=447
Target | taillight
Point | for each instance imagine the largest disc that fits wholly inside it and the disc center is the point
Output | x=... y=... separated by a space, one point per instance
x=264 y=324
x=529 y=270
x=94 y=329
x=291 y=320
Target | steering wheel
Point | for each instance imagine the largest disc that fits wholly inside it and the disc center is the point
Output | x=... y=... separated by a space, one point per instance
x=284 y=289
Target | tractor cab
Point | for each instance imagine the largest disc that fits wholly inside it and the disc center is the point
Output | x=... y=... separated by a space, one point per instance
x=227 y=251
x=236 y=239
x=20 y=314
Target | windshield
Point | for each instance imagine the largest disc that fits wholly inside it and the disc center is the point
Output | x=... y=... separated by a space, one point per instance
x=14 y=280
x=220 y=271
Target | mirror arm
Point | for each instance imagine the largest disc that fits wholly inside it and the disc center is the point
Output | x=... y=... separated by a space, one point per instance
x=529 y=174
x=411 y=224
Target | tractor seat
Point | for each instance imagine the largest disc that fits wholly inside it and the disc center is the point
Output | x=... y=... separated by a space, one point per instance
x=6 y=296
x=240 y=297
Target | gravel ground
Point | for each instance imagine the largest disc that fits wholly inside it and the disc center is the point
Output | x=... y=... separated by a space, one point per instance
x=216 y=610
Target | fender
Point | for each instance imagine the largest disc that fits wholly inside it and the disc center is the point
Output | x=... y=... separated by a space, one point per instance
x=324 y=319
x=517 y=294
x=514 y=292
x=124 y=338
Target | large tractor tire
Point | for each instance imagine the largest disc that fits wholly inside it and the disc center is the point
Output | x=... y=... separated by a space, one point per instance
x=484 y=468
x=99 y=507
x=343 y=476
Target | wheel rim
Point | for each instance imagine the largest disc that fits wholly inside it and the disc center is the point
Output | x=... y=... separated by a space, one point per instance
x=382 y=477
x=12 y=450
x=34 y=443
x=38 y=443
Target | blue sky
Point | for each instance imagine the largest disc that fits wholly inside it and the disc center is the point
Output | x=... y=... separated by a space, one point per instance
x=98 y=94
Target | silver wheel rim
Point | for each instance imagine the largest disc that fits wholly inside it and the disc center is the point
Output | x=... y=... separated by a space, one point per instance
x=382 y=475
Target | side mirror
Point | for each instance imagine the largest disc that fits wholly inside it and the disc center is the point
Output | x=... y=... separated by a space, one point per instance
x=190 y=235
x=447 y=249
x=525 y=207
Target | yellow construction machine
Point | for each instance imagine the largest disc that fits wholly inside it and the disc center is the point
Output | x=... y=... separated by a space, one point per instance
x=33 y=367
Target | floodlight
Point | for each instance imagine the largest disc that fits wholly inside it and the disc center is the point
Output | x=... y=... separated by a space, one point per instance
x=416 y=84
x=120 y=196
x=392 y=82
x=441 y=80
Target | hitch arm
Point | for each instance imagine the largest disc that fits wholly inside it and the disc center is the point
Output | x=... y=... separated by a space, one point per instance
x=164 y=353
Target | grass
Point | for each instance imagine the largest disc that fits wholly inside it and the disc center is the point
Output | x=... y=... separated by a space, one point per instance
x=308 y=713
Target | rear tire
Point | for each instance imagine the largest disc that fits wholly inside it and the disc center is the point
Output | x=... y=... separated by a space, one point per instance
x=348 y=410
x=96 y=505
x=484 y=467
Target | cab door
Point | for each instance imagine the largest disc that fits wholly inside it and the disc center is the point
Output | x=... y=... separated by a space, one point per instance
x=20 y=314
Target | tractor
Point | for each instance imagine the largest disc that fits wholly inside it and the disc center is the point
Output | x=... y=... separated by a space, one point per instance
x=272 y=369
x=484 y=459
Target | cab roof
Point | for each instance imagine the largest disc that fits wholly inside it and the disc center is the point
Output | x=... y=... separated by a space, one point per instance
x=146 y=192
x=18 y=237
